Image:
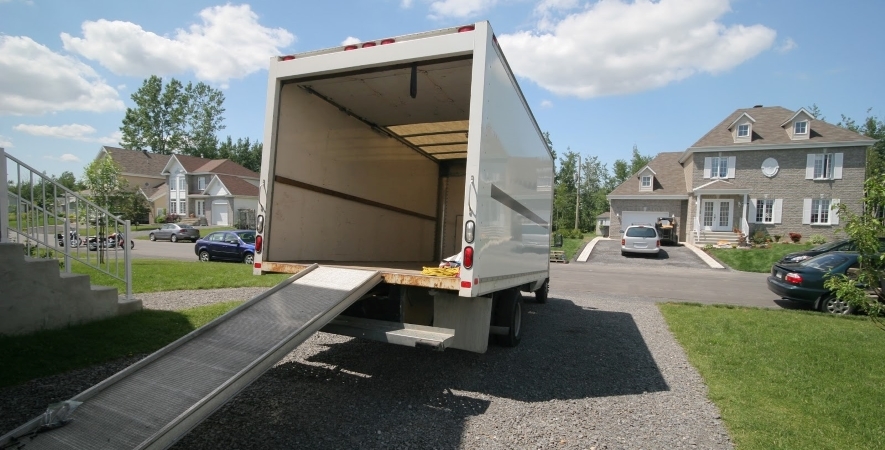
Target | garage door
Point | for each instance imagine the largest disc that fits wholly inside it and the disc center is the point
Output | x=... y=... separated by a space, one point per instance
x=219 y=213
x=640 y=218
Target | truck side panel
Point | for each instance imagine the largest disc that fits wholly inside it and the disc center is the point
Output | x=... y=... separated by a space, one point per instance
x=321 y=147
x=512 y=179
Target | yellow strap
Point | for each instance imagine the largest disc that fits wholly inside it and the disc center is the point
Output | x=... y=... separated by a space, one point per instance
x=441 y=271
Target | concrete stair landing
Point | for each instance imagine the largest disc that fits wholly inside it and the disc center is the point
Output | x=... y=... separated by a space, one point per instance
x=35 y=295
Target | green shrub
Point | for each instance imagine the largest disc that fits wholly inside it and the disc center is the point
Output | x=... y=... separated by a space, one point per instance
x=161 y=219
x=817 y=239
x=760 y=237
x=777 y=238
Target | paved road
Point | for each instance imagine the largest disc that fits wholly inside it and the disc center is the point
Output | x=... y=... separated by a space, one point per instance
x=164 y=250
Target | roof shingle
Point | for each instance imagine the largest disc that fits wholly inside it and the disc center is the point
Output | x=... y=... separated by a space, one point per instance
x=669 y=178
x=137 y=162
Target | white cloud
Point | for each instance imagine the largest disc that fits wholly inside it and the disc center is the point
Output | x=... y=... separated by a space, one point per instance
x=459 y=8
x=77 y=132
x=65 y=157
x=546 y=104
x=406 y=4
x=5 y=142
x=786 y=45
x=229 y=43
x=619 y=47
x=350 y=40
x=37 y=80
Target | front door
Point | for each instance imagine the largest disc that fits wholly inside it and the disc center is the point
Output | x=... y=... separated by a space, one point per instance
x=717 y=215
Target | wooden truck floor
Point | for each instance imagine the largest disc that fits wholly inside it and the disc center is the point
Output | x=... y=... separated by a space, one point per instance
x=407 y=273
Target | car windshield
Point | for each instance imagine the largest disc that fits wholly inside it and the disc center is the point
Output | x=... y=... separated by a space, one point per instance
x=641 y=232
x=825 y=262
x=247 y=236
x=828 y=246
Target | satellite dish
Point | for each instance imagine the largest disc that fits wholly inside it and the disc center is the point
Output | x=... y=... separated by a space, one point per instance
x=769 y=167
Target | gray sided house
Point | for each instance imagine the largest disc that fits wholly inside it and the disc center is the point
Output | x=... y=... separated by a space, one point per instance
x=762 y=168
x=217 y=190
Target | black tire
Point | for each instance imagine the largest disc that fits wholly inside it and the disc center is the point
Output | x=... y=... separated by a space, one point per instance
x=173 y=238
x=153 y=238
x=831 y=304
x=204 y=256
x=249 y=258
x=541 y=293
x=509 y=314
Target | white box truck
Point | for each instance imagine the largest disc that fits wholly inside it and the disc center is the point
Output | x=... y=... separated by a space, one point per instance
x=394 y=154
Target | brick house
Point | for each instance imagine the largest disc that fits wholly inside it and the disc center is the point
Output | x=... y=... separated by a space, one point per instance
x=141 y=170
x=217 y=190
x=761 y=168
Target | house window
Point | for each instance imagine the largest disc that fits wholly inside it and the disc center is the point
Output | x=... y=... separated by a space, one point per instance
x=820 y=211
x=823 y=166
x=201 y=208
x=719 y=167
x=800 y=127
x=173 y=207
x=645 y=183
x=201 y=183
x=765 y=211
x=744 y=130
x=182 y=207
x=182 y=184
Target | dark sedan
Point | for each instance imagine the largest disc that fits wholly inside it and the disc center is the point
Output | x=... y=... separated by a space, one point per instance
x=844 y=245
x=175 y=232
x=804 y=281
x=237 y=245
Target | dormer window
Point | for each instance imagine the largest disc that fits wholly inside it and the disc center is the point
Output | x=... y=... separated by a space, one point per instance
x=744 y=130
x=645 y=183
x=800 y=127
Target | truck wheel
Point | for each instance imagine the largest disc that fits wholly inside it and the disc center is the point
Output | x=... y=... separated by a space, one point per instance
x=509 y=314
x=541 y=293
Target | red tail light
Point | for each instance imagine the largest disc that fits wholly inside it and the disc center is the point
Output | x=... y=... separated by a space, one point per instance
x=350 y=47
x=287 y=58
x=466 y=28
x=369 y=44
x=793 y=278
x=258 y=241
x=658 y=243
x=387 y=41
x=623 y=242
x=468 y=257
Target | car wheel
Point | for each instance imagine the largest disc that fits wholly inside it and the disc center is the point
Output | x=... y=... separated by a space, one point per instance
x=204 y=256
x=509 y=314
x=541 y=293
x=249 y=258
x=173 y=238
x=834 y=305
x=153 y=238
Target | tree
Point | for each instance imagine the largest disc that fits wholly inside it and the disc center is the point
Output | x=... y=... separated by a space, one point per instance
x=623 y=170
x=816 y=112
x=871 y=127
x=68 y=180
x=102 y=178
x=242 y=152
x=865 y=229
x=174 y=118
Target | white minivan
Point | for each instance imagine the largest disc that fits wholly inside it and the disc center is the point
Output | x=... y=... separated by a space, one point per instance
x=641 y=239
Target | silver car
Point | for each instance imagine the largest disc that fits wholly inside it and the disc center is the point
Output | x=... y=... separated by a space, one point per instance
x=175 y=232
x=641 y=239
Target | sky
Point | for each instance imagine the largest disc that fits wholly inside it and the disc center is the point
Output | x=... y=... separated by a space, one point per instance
x=599 y=76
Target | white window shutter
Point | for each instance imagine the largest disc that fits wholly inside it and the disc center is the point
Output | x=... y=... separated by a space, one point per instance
x=834 y=212
x=806 y=211
x=778 y=209
x=809 y=168
x=837 y=166
x=707 y=163
x=752 y=211
x=731 y=161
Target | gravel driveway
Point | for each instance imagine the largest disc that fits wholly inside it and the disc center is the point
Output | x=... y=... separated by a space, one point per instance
x=608 y=252
x=592 y=371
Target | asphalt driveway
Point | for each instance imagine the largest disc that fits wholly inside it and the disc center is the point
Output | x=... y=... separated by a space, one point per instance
x=608 y=252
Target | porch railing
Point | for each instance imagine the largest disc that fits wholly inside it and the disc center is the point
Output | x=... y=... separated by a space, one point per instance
x=53 y=221
x=697 y=230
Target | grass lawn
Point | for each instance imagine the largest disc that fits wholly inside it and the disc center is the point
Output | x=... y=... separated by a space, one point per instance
x=571 y=246
x=788 y=379
x=155 y=275
x=755 y=259
x=55 y=351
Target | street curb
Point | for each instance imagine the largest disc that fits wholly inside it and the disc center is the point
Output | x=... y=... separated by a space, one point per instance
x=704 y=256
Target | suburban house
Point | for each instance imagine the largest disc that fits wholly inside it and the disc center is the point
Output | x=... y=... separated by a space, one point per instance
x=141 y=170
x=218 y=190
x=762 y=168
x=602 y=223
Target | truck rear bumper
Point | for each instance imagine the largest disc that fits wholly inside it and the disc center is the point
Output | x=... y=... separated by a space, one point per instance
x=402 y=273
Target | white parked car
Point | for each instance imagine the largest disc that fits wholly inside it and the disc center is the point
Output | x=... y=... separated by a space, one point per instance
x=641 y=239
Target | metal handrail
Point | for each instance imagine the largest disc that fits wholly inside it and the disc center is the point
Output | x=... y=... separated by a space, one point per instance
x=745 y=227
x=697 y=230
x=44 y=226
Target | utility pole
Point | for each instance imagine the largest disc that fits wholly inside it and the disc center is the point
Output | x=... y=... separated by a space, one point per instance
x=577 y=191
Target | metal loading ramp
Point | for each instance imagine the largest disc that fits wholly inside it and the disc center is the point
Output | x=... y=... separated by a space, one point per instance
x=157 y=400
